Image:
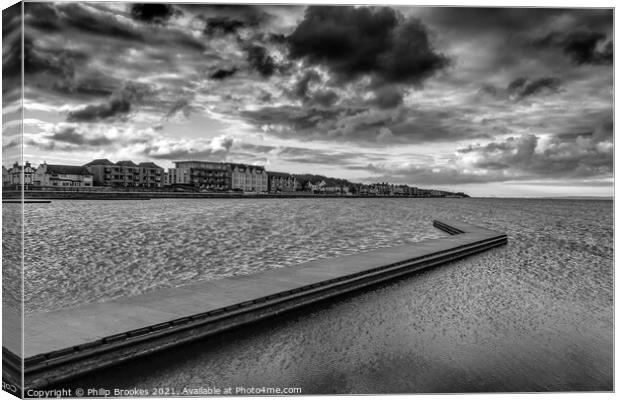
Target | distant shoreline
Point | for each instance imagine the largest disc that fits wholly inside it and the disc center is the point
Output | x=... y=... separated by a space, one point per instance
x=142 y=195
x=124 y=195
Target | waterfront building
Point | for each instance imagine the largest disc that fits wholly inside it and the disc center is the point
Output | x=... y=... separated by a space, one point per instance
x=167 y=177
x=249 y=178
x=333 y=189
x=316 y=187
x=151 y=175
x=383 y=188
x=102 y=171
x=414 y=191
x=205 y=175
x=62 y=175
x=402 y=190
x=281 y=182
x=21 y=175
x=126 y=173
x=5 y=176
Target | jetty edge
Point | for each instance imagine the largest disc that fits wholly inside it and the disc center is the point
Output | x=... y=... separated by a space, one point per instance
x=66 y=343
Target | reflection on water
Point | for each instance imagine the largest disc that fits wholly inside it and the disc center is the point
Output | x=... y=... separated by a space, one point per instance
x=535 y=315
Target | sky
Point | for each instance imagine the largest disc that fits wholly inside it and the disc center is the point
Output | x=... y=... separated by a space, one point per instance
x=504 y=102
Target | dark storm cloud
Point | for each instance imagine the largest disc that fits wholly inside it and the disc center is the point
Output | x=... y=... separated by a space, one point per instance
x=97 y=85
x=70 y=135
x=324 y=98
x=78 y=17
x=530 y=40
x=11 y=53
x=225 y=25
x=376 y=41
x=11 y=20
x=222 y=25
x=11 y=144
x=257 y=148
x=42 y=16
x=316 y=97
x=297 y=120
x=509 y=21
x=152 y=13
x=113 y=108
x=314 y=156
x=259 y=59
x=179 y=105
x=246 y=13
x=309 y=156
x=522 y=87
x=387 y=97
x=68 y=17
x=117 y=106
x=301 y=87
x=55 y=69
x=12 y=57
x=365 y=125
x=61 y=63
x=582 y=46
x=223 y=73
x=57 y=17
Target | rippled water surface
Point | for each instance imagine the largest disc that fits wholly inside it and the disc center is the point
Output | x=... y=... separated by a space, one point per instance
x=535 y=315
x=88 y=251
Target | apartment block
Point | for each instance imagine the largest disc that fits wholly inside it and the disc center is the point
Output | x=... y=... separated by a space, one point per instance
x=126 y=173
x=201 y=174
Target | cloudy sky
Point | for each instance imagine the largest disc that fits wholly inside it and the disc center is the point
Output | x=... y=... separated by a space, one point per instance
x=500 y=102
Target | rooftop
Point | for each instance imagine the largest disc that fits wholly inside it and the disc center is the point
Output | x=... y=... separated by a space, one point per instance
x=99 y=161
x=126 y=163
x=67 y=169
x=149 y=165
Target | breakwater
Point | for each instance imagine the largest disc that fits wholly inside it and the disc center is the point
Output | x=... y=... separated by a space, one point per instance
x=69 y=342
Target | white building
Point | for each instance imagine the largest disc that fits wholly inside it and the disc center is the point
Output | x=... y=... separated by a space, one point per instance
x=18 y=175
x=63 y=175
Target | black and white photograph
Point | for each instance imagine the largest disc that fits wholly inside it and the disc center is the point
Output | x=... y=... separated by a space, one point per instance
x=291 y=199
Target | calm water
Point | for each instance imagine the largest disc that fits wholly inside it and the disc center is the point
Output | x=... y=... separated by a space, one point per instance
x=534 y=315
